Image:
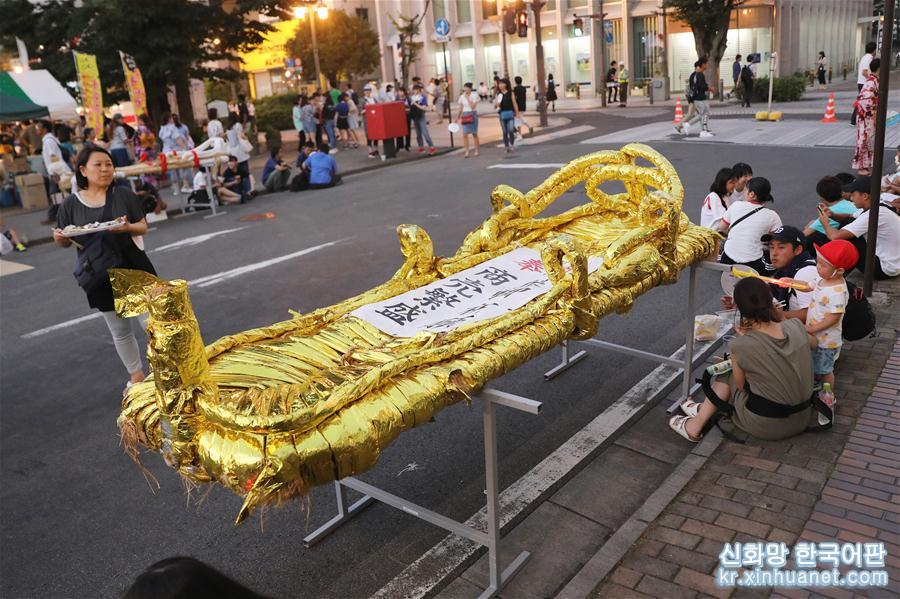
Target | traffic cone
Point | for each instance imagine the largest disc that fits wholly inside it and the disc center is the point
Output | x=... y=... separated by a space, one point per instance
x=829 y=110
x=679 y=115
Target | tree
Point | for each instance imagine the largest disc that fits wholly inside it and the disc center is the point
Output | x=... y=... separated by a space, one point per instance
x=408 y=48
x=338 y=59
x=172 y=41
x=709 y=21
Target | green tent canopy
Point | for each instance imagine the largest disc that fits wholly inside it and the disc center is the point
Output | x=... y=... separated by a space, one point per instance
x=15 y=105
x=34 y=94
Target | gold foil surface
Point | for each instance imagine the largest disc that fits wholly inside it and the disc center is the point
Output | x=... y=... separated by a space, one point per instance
x=274 y=411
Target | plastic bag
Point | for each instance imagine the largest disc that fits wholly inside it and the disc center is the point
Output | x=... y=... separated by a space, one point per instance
x=706 y=327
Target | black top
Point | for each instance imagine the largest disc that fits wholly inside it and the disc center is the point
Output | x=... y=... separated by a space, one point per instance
x=611 y=76
x=697 y=83
x=328 y=112
x=124 y=203
x=521 y=94
x=506 y=101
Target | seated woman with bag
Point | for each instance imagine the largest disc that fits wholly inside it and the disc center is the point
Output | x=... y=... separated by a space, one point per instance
x=98 y=199
x=769 y=390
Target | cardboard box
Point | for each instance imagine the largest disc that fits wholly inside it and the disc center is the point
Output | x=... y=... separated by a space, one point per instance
x=15 y=164
x=32 y=191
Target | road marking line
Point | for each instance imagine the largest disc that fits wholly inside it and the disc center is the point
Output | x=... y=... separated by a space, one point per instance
x=530 y=141
x=206 y=281
x=192 y=241
x=439 y=562
x=513 y=165
x=11 y=268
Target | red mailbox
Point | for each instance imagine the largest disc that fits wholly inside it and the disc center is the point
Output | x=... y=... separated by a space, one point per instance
x=386 y=120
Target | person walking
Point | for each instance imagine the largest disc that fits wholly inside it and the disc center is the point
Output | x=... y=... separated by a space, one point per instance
x=403 y=143
x=821 y=69
x=329 y=116
x=239 y=147
x=612 y=83
x=505 y=102
x=173 y=141
x=551 y=91
x=865 y=109
x=368 y=98
x=98 y=199
x=736 y=72
x=747 y=77
x=623 y=86
x=521 y=93
x=697 y=90
x=418 y=104
x=468 y=118
x=342 y=120
x=863 y=70
x=353 y=116
x=308 y=119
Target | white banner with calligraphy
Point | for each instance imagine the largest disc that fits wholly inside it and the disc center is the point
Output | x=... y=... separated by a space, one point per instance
x=491 y=289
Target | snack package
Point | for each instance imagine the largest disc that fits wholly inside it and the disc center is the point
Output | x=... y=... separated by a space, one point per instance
x=706 y=326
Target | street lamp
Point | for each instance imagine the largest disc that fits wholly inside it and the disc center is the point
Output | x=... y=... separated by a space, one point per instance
x=321 y=12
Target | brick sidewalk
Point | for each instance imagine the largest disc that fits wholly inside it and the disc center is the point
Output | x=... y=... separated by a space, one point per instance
x=818 y=486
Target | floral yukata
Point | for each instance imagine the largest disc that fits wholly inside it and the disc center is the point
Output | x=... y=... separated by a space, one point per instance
x=865 y=125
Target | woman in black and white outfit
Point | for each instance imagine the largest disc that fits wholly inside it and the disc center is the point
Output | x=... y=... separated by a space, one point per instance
x=98 y=199
x=745 y=222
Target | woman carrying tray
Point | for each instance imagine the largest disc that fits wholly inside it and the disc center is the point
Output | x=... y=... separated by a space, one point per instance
x=98 y=199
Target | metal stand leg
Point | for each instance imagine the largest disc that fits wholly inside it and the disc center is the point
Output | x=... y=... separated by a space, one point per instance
x=498 y=579
x=213 y=199
x=344 y=514
x=566 y=363
x=689 y=339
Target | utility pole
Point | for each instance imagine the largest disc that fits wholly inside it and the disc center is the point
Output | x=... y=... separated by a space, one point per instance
x=536 y=6
x=884 y=78
x=504 y=66
x=315 y=48
x=603 y=60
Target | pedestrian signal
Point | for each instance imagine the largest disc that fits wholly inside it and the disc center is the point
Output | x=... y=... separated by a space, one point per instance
x=522 y=23
x=578 y=27
x=509 y=22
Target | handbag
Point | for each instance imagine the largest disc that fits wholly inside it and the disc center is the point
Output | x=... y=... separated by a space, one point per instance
x=97 y=256
x=467 y=118
x=245 y=144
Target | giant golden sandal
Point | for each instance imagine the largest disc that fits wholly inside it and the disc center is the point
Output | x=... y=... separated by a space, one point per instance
x=272 y=411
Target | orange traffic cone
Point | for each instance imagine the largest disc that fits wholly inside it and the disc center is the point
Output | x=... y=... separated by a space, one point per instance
x=679 y=115
x=829 y=110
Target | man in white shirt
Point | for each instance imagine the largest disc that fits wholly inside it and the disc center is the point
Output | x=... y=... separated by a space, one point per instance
x=887 y=241
x=862 y=73
x=51 y=151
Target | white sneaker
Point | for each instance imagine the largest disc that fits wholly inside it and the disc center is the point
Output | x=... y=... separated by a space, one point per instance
x=706 y=134
x=333 y=151
x=686 y=129
x=679 y=129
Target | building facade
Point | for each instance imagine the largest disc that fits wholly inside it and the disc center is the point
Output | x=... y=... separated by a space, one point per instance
x=635 y=31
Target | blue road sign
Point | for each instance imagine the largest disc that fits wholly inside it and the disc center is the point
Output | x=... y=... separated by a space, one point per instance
x=608 y=31
x=442 y=27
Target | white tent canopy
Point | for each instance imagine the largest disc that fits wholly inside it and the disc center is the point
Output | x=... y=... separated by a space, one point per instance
x=43 y=89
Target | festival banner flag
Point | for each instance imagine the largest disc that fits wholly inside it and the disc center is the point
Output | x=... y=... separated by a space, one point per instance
x=91 y=92
x=135 y=84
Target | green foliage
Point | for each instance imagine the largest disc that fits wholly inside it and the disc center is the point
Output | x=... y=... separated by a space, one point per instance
x=709 y=21
x=407 y=30
x=217 y=90
x=274 y=112
x=348 y=46
x=784 y=89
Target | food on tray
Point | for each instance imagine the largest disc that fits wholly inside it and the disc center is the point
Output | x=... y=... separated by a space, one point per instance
x=94 y=227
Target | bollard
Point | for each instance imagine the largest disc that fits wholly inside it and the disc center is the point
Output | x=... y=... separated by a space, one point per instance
x=721 y=90
x=829 y=74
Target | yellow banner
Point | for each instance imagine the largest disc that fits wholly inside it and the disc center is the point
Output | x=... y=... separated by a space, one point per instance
x=91 y=92
x=271 y=53
x=135 y=84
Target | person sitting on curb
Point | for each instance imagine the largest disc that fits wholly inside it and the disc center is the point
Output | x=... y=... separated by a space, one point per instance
x=276 y=173
x=319 y=171
x=887 y=249
x=771 y=363
x=829 y=190
x=15 y=242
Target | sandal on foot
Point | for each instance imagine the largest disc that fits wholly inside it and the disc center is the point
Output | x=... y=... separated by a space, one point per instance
x=677 y=424
x=690 y=407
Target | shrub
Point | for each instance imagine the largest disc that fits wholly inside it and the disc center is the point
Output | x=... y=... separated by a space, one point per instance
x=784 y=89
x=274 y=112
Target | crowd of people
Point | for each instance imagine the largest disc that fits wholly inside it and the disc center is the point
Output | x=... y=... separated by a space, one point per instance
x=790 y=330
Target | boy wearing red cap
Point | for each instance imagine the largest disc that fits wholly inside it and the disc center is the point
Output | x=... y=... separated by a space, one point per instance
x=828 y=304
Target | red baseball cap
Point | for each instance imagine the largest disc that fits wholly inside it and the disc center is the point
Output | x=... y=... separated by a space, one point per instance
x=839 y=253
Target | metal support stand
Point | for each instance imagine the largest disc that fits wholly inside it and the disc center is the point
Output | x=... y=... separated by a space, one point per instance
x=491 y=538
x=686 y=364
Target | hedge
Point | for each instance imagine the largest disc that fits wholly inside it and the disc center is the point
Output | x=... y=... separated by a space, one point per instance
x=274 y=112
x=784 y=89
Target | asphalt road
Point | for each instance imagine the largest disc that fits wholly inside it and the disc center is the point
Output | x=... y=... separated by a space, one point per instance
x=78 y=519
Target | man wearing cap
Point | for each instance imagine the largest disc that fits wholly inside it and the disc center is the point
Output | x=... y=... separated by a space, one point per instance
x=887 y=242
x=791 y=260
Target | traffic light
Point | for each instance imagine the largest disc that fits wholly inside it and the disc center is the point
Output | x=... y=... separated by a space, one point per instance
x=578 y=26
x=522 y=23
x=509 y=22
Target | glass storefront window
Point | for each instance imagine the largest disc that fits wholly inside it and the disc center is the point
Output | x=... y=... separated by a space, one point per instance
x=492 y=61
x=488 y=8
x=646 y=48
x=463 y=11
x=518 y=57
x=577 y=3
x=467 y=65
x=579 y=58
x=440 y=9
x=551 y=50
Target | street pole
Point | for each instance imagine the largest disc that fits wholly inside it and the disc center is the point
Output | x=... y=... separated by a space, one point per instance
x=603 y=67
x=772 y=60
x=449 y=91
x=315 y=47
x=536 y=6
x=501 y=4
x=884 y=78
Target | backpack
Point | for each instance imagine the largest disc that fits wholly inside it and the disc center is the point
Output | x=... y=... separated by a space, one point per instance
x=859 y=319
x=689 y=89
x=746 y=73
